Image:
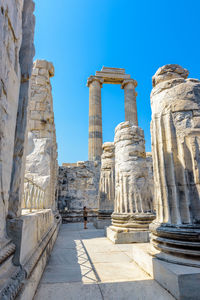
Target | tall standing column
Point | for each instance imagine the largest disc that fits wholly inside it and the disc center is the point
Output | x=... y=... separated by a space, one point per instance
x=133 y=209
x=95 y=118
x=130 y=100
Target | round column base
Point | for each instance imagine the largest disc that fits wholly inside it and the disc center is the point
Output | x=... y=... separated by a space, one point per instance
x=181 y=241
x=104 y=214
x=135 y=221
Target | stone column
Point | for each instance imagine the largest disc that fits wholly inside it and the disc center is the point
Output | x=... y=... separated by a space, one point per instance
x=130 y=100
x=95 y=118
x=106 y=186
x=133 y=209
x=175 y=128
x=41 y=159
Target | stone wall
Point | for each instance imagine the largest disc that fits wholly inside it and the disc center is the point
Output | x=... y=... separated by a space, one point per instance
x=78 y=186
x=25 y=240
x=17 y=50
x=11 y=30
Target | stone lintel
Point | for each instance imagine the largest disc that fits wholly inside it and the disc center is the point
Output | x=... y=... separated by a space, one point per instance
x=112 y=70
x=112 y=78
x=125 y=82
x=94 y=78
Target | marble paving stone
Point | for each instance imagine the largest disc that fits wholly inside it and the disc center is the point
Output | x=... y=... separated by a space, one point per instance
x=109 y=257
x=103 y=248
x=137 y=290
x=65 y=257
x=68 y=243
x=126 y=248
x=60 y=273
x=69 y=291
x=116 y=272
x=94 y=269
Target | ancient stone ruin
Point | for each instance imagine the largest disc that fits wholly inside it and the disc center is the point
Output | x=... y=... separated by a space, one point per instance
x=78 y=186
x=106 y=194
x=174 y=249
x=107 y=76
x=149 y=201
x=29 y=220
x=133 y=211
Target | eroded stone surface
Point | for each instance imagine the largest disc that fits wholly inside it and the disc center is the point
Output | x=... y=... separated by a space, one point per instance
x=107 y=181
x=133 y=209
x=175 y=129
x=10 y=79
x=26 y=54
x=78 y=186
x=41 y=160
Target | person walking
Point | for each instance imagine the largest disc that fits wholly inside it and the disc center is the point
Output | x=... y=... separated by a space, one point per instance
x=85 y=213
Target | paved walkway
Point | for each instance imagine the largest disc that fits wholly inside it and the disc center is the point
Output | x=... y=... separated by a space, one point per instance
x=86 y=265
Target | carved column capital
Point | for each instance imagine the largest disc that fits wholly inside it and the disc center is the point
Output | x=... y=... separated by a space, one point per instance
x=94 y=78
x=128 y=81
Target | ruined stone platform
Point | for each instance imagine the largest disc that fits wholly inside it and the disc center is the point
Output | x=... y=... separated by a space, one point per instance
x=86 y=265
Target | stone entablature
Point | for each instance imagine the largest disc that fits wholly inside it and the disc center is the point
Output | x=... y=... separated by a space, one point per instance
x=112 y=75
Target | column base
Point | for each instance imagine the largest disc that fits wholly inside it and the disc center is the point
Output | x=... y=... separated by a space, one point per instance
x=180 y=280
x=102 y=223
x=126 y=235
x=179 y=241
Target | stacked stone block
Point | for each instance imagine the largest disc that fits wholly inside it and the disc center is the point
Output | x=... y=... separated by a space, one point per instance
x=78 y=186
x=41 y=160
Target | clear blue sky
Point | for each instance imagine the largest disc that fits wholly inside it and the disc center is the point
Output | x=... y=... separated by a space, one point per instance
x=81 y=36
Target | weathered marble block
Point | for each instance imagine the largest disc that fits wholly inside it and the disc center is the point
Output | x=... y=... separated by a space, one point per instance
x=173 y=256
x=133 y=209
x=175 y=128
x=78 y=186
x=41 y=158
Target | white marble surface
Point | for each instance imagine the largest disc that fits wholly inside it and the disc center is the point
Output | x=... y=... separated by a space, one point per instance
x=86 y=265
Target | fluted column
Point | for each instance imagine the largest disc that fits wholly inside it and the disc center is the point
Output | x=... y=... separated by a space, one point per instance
x=175 y=129
x=107 y=181
x=133 y=209
x=130 y=100
x=95 y=118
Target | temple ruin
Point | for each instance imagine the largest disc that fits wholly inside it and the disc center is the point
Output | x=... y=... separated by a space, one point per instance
x=107 y=76
x=148 y=203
